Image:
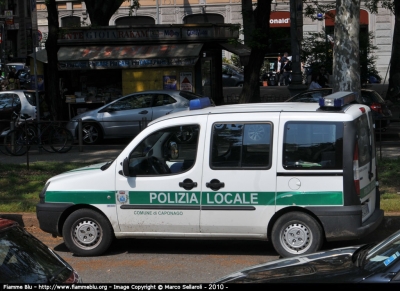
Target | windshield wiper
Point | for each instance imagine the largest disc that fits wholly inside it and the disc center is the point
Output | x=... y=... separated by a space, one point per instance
x=106 y=165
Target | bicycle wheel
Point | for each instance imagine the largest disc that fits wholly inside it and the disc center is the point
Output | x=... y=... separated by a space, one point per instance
x=61 y=140
x=16 y=142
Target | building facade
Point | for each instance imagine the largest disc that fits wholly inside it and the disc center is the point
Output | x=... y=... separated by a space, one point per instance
x=74 y=13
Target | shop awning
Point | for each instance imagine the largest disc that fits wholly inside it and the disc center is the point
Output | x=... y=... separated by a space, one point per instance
x=119 y=57
x=238 y=49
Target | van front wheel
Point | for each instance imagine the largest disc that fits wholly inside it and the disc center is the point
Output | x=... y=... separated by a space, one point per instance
x=296 y=233
x=87 y=233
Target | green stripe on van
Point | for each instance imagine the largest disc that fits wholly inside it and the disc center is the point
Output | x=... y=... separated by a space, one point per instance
x=197 y=198
x=310 y=198
x=81 y=197
x=367 y=189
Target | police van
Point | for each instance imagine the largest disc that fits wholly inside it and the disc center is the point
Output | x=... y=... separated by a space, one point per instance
x=295 y=174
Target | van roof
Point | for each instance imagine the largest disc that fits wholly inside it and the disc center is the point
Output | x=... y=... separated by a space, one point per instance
x=258 y=107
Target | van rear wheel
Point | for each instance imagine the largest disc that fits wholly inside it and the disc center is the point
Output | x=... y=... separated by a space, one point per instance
x=296 y=233
x=87 y=233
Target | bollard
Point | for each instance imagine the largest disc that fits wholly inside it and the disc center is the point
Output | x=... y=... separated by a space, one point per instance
x=80 y=134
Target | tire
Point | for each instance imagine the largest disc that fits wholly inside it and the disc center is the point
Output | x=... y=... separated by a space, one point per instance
x=61 y=140
x=91 y=133
x=16 y=142
x=305 y=232
x=87 y=233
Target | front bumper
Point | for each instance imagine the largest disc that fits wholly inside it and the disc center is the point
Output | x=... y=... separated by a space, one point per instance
x=49 y=215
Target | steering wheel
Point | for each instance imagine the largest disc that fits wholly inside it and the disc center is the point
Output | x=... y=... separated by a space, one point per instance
x=157 y=166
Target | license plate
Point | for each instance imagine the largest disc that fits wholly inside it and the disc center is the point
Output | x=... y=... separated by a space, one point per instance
x=364 y=209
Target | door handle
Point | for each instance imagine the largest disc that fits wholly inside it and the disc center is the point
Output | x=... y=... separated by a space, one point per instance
x=215 y=184
x=187 y=184
x=143 y=112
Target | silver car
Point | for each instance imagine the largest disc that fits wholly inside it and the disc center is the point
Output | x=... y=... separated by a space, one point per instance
x=124 y=117
x=19 y=101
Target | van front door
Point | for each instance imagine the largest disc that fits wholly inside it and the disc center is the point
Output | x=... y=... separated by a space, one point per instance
x=238 y=190
x=162 y=194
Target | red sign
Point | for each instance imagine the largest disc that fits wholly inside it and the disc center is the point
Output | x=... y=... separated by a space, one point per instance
x=279 y=19
x=330 y=17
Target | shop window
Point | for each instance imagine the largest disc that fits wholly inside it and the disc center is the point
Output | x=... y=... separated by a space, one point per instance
x=71 y=21
x=61 y=6
x=134 y=20
x=203 y=18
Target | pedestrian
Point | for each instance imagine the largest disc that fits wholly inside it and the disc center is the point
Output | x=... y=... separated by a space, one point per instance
x=287 y=71
x=323 y=79
x=283 y=61
x=314 y=82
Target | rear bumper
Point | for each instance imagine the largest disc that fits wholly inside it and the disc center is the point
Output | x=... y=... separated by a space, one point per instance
x=345 y=223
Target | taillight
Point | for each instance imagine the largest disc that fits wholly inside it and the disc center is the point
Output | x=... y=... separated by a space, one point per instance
x=356 y=171
x=73 y=278
x=376 y=107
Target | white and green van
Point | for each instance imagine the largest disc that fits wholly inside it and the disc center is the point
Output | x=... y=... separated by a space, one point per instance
x=296 y=174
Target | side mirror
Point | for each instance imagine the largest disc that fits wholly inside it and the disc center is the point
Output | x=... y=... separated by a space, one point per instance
x=125 y=168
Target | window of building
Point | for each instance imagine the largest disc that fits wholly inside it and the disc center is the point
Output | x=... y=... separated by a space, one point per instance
x=134 y=20
x=203 y=18
x=71 y=21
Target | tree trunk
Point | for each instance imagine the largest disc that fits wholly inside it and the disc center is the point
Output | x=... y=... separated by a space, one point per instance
x=100 y=11
x=258 y=42
x=394 y=75
x=57 y=105
x=346 y=53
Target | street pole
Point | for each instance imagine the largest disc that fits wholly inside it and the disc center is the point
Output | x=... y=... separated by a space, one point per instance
x=296 y=35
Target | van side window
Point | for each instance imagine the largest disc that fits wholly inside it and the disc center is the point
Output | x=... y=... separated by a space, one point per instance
x=243 y=146
x=171 y=150
x=313 y=146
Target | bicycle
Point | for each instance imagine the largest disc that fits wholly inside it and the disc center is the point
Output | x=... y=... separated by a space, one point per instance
x=52 y=137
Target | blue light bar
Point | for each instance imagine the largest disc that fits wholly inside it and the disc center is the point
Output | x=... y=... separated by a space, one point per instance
x=337 y=100
x=199 y=103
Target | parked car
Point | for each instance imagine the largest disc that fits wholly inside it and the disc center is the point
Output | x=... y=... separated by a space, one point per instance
x=370 y=263
x=378 y=105
x=232 y=76
x=20 y=101
x=121 y=118
x=25 y=259
x=16 y=67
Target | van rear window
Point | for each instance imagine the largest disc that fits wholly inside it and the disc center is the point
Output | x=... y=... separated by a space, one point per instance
x=313 y=146
x=363 y=140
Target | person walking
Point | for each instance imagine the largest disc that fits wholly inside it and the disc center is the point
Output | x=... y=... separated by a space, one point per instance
x=283 y=62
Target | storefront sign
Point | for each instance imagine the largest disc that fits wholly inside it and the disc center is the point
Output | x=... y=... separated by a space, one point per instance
x=185 y=80
x=169 y=82
x=120 y=64
x=279 y=19
x=123 y=35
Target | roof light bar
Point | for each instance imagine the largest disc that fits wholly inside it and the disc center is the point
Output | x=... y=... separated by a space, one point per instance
x=337 y=100
x=199 y=103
